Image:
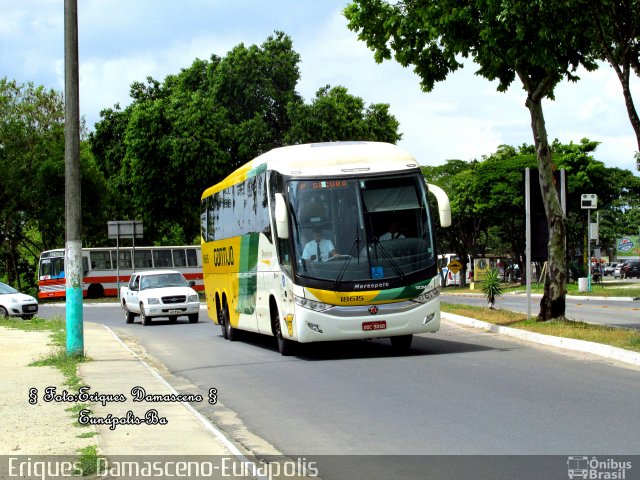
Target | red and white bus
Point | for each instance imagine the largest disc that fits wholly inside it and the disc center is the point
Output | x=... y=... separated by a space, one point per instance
x=104 y=266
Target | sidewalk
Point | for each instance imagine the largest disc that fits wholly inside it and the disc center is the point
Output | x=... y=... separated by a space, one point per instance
x=50 y=429
x=46 y=427
x=176 y=429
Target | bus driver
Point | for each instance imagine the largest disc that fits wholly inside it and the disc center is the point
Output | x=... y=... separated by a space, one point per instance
x=319 y=249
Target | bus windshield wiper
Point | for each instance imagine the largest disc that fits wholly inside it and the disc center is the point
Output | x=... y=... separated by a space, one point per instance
x=355 y=248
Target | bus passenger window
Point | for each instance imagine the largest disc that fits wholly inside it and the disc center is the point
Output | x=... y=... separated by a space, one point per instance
x=162 y=258
x=178 y=258
x=125 y=259
x=192 y=257
x=143 y=258
x=100 y=260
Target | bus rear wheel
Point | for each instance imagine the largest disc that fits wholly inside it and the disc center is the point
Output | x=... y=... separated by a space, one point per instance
x=95 y=290
x=228 y=331
x=221 y=315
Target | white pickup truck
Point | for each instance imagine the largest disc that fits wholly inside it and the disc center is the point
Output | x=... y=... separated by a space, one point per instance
x=159 y=293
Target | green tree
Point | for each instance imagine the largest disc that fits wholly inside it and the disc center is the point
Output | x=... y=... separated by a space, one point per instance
x=32 y=161
x=487 y=203
x=540 y=42
x=335 y=115
x=617 y=40
x=184 y=134
x=487 y=199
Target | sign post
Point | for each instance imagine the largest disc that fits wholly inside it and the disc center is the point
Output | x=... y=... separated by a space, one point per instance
x=588 y=202
x=454 y=267
x=124 y=229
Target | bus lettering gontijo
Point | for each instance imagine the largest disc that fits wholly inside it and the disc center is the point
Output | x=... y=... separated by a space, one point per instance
x=260 y=224
x=101 y=268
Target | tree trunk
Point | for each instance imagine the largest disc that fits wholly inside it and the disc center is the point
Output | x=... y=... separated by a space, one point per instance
x=552 y=305
x=623 y=75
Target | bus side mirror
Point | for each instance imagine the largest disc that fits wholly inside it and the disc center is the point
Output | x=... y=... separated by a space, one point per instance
x=282 y=219
x=444 y=206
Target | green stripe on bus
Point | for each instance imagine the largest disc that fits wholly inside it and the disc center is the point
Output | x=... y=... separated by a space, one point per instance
x=248 y=277
x=410 y=291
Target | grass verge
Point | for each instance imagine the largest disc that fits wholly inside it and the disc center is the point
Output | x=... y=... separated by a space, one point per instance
x=68 y=365
x=608 y=289
x=616 y=337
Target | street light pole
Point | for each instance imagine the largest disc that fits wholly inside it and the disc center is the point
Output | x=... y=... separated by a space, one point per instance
x=73 y=247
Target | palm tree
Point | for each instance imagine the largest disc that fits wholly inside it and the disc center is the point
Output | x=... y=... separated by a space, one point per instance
x=492 y=287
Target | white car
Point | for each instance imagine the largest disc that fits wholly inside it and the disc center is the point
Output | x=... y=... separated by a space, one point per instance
x=159 y=293
x=609 y=268
x=16 y=304
x=617 y=270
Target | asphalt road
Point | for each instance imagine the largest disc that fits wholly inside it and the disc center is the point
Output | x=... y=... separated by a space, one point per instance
x=458 y=391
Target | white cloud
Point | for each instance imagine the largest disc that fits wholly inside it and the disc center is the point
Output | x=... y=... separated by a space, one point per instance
x=122 y=41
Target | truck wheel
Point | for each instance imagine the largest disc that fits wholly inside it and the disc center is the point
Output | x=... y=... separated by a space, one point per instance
x=193 y=318
x=144 y=319
x=128 y=316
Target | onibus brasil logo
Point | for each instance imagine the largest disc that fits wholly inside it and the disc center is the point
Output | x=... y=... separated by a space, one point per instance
x=595 y=468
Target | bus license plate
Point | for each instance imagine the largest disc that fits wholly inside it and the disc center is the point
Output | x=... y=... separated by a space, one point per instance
x=378 y=325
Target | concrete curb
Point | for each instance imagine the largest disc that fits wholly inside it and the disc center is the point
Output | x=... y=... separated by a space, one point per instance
x=606 y=351
x=539 y=295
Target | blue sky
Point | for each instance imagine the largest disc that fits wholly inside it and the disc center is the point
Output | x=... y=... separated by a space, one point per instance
x=463 y=118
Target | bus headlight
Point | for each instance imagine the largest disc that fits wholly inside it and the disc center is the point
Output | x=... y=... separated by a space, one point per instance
x=312 y=304
x=428 y=295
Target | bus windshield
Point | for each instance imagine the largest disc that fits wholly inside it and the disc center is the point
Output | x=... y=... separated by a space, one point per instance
x=360 y=229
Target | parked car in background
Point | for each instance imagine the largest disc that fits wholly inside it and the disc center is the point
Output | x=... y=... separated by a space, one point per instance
x=617 y=272
x=609 y=268
x=16 y=304
x=631 y=269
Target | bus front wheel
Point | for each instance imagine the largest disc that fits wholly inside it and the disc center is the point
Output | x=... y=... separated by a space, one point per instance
x=286 y=347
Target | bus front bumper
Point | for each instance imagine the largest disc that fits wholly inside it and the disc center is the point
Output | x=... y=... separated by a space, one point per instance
x=352 y=323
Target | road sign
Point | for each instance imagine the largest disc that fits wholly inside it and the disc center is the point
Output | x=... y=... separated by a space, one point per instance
x=454 y=266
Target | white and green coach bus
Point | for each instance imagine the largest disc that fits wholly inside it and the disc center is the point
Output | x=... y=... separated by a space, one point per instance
x=268 y=225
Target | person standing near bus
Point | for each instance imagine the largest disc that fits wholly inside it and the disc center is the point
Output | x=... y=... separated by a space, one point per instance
x=319 y=249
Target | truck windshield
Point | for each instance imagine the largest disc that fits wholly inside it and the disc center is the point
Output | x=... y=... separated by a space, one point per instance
x=360 y=229
x=162 y=280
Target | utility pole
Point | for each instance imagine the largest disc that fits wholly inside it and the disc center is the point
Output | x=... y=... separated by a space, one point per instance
x=73 y=246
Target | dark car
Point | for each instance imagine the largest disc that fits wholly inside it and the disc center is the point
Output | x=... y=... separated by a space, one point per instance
x=631 y=269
